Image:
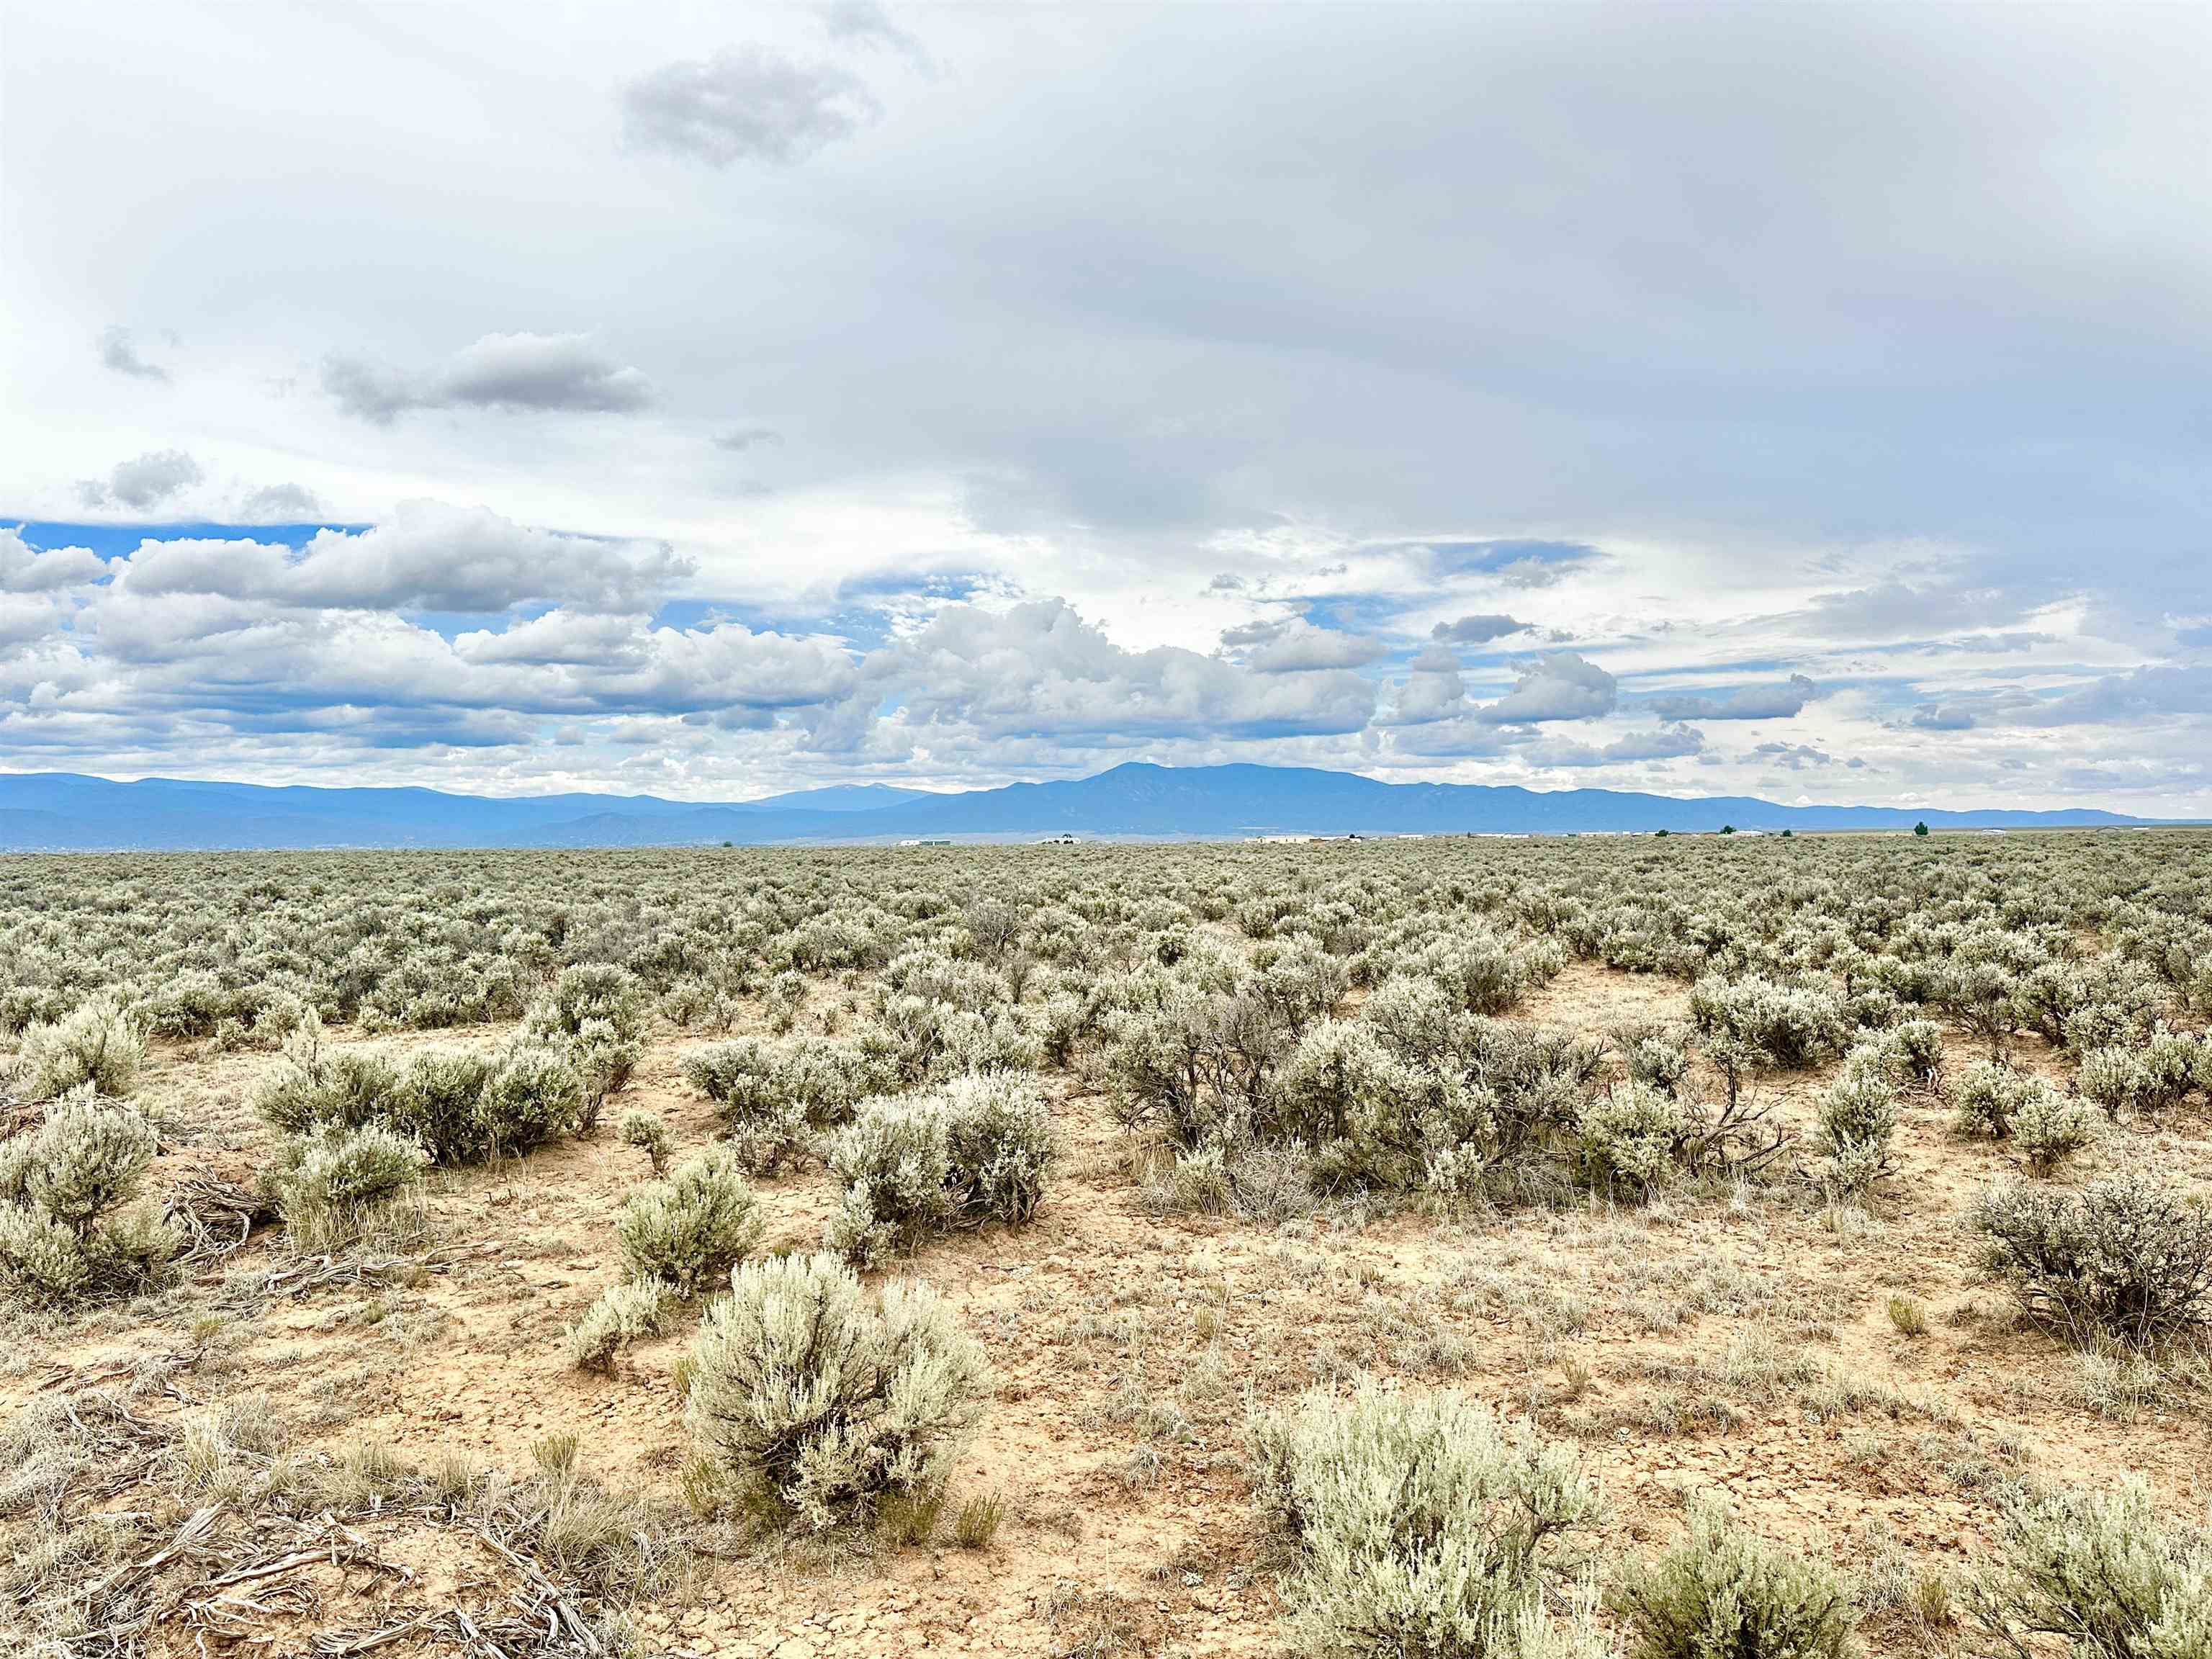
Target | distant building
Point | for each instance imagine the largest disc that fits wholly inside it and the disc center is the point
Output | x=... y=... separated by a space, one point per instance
x=929 y=841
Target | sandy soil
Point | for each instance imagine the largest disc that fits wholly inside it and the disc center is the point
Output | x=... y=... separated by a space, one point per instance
x=1736 y=1342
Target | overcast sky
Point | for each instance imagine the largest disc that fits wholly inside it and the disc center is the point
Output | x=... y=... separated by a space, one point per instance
x=714 y=400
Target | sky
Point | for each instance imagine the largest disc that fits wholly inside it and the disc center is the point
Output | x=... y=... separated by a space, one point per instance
x=710 y=400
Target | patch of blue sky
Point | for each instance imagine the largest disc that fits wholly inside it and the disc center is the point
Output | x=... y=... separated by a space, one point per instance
x=109 y=540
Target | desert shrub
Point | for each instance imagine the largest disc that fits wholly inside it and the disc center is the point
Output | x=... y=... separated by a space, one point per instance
x=1989 y=1096
x=2128 y=1257
x=750 y=1079
x=1725 y=1593
x=1413 y=1019
x=619 y=1316
x=2116 y=1078
x=2101 y=1573
x=1796 y=1027
x=1631 y=1137
x=1858 y=1117
x=820 y=1401
x=693 y=1227
x=2050 y=1128
x=461 y=1105
x=1654 y=1056
x=328 y=1184
x=98 y=1044
x=64 y=1231
x=1420 y=1524
x=648 y=1133
x=1915 y=1048
x=977 y=1149
x=534 y=1094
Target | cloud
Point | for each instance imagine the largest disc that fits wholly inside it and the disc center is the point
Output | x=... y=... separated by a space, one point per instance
x=1940 y=717
x=1563 y=686
x=1742 y=702
x=747 y=104
x=1662 y=742
x=144 y=483
x=2152 y=692
x=426 y=556
x=1295 y=645
x=117 y=353
x=284 y=503
x=748 y=437
x=24 y=569
x=1038 y=669
x=866 y=24
x=1793 y=756
x=513 y=373
x=1477 y=630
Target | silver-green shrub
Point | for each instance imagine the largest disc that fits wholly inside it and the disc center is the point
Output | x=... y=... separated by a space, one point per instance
x=978 y=1148
x=328 y=1185
x=692 y=1228
x=2099 y=1573
x=2128 y=1257
x=98 y=1044
x=821 y=1401
x=1725 y=1593
x=63 y=1235
x=1422 y=1526
x=622 y=1314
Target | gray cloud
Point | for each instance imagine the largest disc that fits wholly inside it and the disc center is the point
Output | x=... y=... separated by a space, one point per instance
x=532 y=372
x=284 y=503
x=866 y=24
x=117 y=353
x=1742 y=702
x=748 y=437
x=1940 y=717
x=144 y=483
x=746 y=104
x=1477 y=630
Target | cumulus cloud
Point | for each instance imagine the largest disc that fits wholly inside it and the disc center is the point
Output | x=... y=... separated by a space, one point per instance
x=1295 y=645
x=426 y=556
x=144 y=483
x=746 y=104
x=1563 y=686
x=25 y=569
x=511 y=373
x=1793 y=756
x=1039 y=669
x=1662 y=742
x=1477 y=630
x=1742 y=702
x=1940 y=717
x=117 y=353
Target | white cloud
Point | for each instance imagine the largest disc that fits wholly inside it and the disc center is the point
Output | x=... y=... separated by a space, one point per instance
x=1742 y=702
x=145 y=483
x=1563 y=686
x=119 y=354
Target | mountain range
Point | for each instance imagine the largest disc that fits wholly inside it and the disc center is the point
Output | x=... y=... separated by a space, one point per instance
x=62 y=811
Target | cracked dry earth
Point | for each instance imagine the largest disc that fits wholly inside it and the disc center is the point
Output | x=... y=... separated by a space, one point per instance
x=1735 y=1341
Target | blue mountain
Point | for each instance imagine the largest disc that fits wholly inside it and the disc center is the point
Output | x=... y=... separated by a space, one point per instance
x=65 y=812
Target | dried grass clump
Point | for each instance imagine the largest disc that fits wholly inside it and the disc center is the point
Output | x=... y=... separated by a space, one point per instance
x=1419 y=1524
x=821 y=1404
x=68 y=1228
x=623 y=1313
